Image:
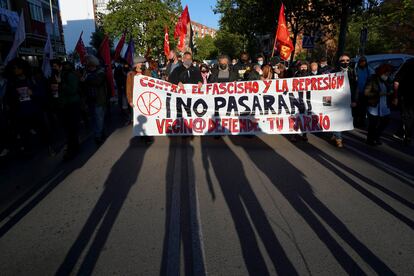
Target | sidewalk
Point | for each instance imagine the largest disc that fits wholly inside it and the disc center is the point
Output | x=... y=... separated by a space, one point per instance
x=21 y=177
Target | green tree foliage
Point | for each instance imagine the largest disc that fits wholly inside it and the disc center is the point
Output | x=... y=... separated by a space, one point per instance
x=251 y=18
x=390 y=28
x=144 y=21
x=205 y=48
x=229 y=43
x=97 y=37
x=246 y=18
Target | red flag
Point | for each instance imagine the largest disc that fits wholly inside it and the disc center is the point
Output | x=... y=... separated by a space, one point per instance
x=129 y=54
x=80 y=49
x=181 y=29
x=166 y=42
x=105 y=54
x=119 y=47
x=283 y=43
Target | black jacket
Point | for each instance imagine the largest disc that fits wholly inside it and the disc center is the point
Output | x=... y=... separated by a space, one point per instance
x=325 y=70
x=373 y=89
x=242 y=70
x=185 y=75
x=253 y=75
x=168 y=69
x=299 y=74
x=214 y=76
x=404 y=77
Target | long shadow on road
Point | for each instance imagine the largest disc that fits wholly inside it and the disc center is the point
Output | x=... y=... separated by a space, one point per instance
x=245 y=206
x=39 y=191
x=333 y=164
x=122 y=177
x=290 y=182
x=182 y=227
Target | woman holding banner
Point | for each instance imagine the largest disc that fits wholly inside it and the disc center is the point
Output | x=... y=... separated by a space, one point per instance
x=138 y=69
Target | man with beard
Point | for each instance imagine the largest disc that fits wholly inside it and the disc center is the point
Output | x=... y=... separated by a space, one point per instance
x=223 y=72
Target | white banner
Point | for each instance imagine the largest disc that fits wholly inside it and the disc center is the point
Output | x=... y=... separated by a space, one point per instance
x=281 y=106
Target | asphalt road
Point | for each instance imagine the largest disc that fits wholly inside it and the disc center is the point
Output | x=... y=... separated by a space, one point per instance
x=205 y=206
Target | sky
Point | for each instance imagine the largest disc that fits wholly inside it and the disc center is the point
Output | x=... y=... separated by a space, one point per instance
x=201 y=11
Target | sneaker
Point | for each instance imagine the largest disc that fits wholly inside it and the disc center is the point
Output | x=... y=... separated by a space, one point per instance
x=339 y=143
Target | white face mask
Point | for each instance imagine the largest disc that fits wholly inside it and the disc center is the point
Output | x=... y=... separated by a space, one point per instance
x=260 y=62
x=384 y=77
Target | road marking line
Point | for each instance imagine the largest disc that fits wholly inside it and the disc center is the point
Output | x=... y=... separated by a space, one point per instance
x=174 y=235
x=199 y=267
x=30 y=199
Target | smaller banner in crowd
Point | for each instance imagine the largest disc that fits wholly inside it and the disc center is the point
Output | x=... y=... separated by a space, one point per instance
x=281 y=106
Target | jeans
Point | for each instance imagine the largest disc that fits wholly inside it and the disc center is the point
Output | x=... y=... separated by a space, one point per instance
x=337 y=135
x=98 y=119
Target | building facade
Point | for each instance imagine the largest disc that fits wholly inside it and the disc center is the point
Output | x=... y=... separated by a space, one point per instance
x=77 y=17
x=41 y=17
x=100 y=6
x=200 y=30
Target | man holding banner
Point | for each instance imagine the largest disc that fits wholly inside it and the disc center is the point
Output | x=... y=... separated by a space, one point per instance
x=280 y=106
x=186 y=72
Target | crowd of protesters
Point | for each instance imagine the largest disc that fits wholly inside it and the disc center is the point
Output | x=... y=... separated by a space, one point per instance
x=32 y=105
x=35 y=109
x=373 y=92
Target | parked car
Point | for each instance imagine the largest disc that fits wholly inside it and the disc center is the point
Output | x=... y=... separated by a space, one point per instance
x=395 y=60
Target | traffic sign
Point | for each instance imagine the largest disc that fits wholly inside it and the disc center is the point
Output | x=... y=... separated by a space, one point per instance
x=308 y=42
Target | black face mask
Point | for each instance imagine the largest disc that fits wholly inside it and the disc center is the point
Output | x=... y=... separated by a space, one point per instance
x=171 y=60
x=143 y=68
x=344 y=65
x=223 y=66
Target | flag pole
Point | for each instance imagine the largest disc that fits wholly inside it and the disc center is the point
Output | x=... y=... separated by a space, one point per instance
x=277 y=31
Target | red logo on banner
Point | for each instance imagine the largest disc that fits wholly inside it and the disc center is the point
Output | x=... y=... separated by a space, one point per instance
x=149 y=103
